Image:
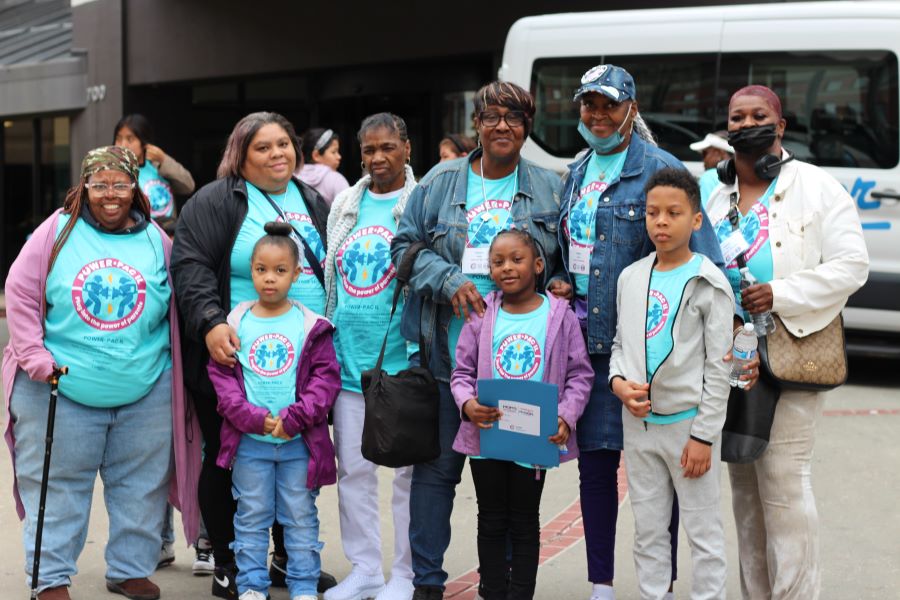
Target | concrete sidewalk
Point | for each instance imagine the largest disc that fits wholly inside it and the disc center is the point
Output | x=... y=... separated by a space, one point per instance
x=855 y=478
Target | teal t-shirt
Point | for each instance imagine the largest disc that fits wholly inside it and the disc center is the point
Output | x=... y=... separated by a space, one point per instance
x=108 y=314
x=488 y=212
x=580 y=225
x=270 y=351
x=708 y=182
x=157 y=190
x=663 y=302
x=307 y=290
x=755 y=228
x=518 y=343
x=365 y=289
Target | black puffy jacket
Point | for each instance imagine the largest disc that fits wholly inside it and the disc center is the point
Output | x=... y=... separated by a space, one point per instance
x=201 y=265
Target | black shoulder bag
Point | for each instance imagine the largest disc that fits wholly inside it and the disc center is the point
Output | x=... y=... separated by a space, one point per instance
x=748 y=420
x=401 y=422
x=308 y=255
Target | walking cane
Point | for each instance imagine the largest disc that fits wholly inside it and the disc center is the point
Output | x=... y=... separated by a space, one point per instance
x=48 y=446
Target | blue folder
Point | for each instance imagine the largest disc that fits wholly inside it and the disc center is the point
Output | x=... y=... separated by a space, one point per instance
x=516 y=446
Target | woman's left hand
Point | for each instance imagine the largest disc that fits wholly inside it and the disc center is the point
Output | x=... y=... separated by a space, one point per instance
x=561 y=289
x=757 y=298
x=562 y=432
x=154 y=154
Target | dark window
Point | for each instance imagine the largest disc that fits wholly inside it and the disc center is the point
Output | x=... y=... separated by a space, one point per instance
x=841 y=106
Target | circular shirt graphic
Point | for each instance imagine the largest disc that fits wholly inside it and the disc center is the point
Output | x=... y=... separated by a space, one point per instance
x=271 y=355
x=303 y=224
x=518 y=357
x=657 y=313
x=754 y=227
x=364 y=261
x=487 y=220
x=108 y=294
x=160 y=195
x=579 y=223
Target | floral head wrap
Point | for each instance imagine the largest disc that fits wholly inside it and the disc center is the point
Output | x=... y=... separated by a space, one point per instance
x=112 y=158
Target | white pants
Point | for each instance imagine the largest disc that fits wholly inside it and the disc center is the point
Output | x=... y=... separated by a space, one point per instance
x=358 y=496
x=775 y=510
x=653 y=463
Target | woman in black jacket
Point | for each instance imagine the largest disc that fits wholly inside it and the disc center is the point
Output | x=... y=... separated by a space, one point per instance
x=211 y=270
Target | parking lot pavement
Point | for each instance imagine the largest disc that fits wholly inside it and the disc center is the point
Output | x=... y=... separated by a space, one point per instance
x=855 y=477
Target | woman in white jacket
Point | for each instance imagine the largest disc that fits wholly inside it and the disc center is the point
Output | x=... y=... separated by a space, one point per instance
x=804 y=244
x=359 y=282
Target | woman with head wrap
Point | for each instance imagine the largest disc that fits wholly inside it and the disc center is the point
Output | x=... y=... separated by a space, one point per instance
x=90 y=290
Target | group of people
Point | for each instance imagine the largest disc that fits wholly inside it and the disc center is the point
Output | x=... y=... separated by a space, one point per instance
x=205 y=371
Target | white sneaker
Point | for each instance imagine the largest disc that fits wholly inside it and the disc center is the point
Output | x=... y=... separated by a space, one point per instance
x=356 y=586
x=603 y=592
x=397 y=588
x=305 y=597
x=204 y=563
x=669 y=596
x=166 y=555
x=253 y=595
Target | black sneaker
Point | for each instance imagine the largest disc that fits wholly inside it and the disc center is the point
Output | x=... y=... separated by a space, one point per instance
x=326 y=582
x=278 y=575
x=224 y=584
x=428 y=592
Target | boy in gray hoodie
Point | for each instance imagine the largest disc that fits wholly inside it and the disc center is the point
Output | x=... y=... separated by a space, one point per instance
x=675 y=316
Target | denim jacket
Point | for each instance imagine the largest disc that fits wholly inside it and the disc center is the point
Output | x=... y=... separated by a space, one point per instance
x=622 y=233
x=436 y=214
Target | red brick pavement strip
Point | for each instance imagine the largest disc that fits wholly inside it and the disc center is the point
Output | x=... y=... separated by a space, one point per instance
x=561 y=533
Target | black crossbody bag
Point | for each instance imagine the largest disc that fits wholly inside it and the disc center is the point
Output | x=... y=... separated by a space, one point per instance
x=401 y=420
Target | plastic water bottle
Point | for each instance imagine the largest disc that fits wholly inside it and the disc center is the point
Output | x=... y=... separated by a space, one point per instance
x=744 y=351
x=763 y=322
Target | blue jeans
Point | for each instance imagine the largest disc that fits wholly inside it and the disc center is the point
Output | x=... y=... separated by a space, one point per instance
x=600 y=426
x=431 y=499
x=130 y=446
x=268 y=483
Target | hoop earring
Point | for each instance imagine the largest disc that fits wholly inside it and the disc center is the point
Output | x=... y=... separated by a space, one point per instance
x=362 y=166
x=407 y=160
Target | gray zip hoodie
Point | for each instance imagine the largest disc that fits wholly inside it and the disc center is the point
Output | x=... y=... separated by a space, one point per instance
x=693 y=374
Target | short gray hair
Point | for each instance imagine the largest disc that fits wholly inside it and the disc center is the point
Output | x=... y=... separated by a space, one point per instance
x=389 y=121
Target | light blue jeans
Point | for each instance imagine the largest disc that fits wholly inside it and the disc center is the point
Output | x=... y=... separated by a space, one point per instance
x=130 y=446
x=269 y=482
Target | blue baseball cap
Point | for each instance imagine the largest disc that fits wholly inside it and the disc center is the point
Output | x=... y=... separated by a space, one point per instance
x=613 y=82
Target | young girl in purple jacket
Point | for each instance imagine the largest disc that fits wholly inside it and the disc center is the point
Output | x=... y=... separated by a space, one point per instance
x=522 y=335
x=275 y=402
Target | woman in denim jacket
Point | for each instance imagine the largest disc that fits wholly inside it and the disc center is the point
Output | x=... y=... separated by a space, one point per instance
x=457 y=214
x=601 y=232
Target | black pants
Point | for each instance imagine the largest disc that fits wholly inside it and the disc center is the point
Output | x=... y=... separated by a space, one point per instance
x=509 y=501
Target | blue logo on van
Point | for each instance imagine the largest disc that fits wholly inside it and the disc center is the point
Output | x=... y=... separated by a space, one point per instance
x=859 y=191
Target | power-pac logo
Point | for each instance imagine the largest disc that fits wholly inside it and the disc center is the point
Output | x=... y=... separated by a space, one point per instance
x=657 y=313
x=108 y=294
x=364 y=261
x=303 y=224
x=271 y=355
x=160 y=195
x=579 y=224
x=754 y=227
x=487 y=220
x=518 y=357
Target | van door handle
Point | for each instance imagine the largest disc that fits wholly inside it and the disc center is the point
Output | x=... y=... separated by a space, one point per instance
x=891 y=197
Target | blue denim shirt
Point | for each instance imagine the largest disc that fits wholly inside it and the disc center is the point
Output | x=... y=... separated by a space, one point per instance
x=622 y=233
x=436 y=214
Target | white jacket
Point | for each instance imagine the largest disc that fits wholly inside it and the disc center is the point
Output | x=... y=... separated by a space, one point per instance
x=819 y=256
x=341 y=221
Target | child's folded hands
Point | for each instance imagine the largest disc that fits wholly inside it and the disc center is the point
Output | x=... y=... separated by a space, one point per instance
x=633 y=395
x=269 y=424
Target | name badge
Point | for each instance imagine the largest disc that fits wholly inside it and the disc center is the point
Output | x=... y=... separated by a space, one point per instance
x=475 y=261
x=580 y=259
x=733 y=246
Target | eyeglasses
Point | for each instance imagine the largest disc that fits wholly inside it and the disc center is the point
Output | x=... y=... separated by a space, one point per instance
x=514 y=118
x=118 y=189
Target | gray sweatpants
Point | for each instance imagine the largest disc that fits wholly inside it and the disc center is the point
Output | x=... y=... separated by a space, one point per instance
x=653 y=465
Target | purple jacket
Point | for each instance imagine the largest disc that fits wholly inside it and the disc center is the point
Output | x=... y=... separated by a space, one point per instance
x=567 y=366
x=25 y=309
x=318 y=384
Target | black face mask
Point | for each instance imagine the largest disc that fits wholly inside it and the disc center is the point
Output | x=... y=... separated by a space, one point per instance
x=752 y=140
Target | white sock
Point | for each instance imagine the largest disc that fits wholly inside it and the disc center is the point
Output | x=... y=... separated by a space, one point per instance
x=602 y=591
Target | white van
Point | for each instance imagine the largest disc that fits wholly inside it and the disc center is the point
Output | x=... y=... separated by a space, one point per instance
x=833 y=64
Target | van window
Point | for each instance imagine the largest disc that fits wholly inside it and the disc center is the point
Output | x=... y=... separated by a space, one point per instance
x=841 y=106
x=674 y=93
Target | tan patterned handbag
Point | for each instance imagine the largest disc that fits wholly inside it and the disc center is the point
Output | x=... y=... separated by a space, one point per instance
x=816 y=362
